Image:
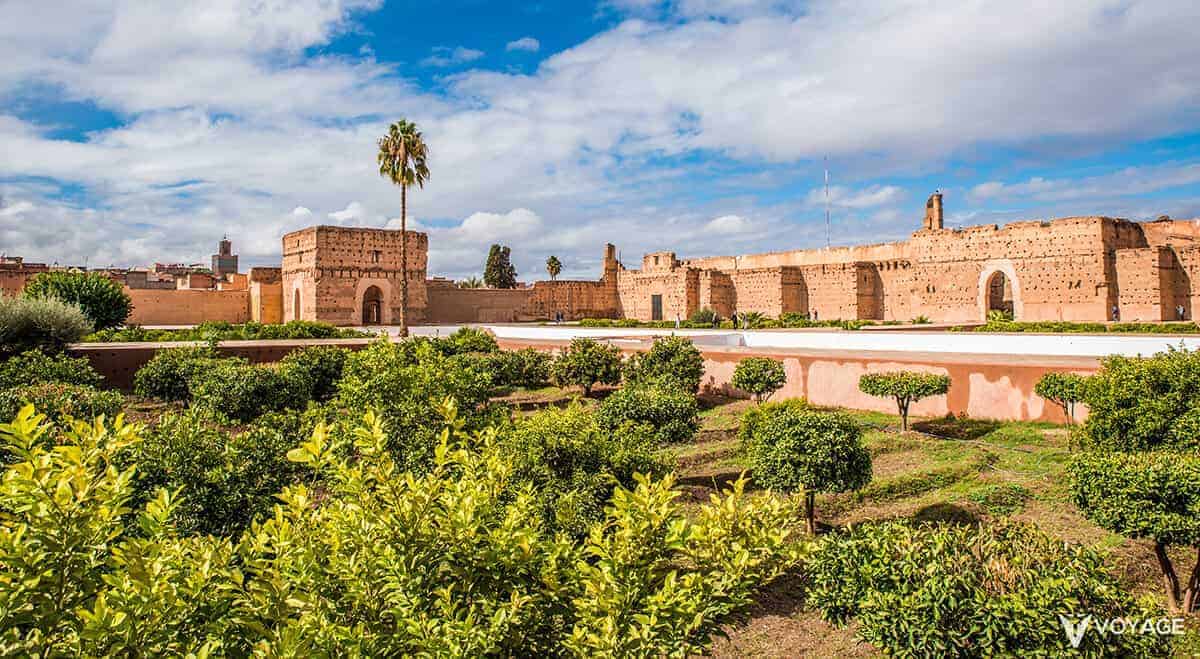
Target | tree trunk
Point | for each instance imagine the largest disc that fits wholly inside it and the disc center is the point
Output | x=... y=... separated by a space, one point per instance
x=810 y=512
x=1191 y=597
x=903 y=405
x=1170 y=579
x=403 y=260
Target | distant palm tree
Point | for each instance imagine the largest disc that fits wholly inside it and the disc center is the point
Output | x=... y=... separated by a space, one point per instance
x=402 y=154
x=553 y=267
x=471 y=282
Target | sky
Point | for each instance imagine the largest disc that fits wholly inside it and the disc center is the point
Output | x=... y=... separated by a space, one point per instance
x=133 y=132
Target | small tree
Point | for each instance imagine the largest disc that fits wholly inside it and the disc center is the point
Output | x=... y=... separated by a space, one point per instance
x=499 y=271
x=1062 y=389
x=102 y=300
x=587 y=363
x=553 y=267
x=1140 y=473
x=759 y=377
x=470 y=282
x=672 y=359
x=794 y=449
x=905 y=387
x=47 y=325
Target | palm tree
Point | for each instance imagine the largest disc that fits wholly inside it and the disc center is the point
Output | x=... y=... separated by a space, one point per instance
x=553 y=267
x=402 y=154
x=471 y=282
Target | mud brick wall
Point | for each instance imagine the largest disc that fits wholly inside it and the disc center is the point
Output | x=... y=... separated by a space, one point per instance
x=574 y=299
x=329 y=271
x=187 y=306
x=1143 y=283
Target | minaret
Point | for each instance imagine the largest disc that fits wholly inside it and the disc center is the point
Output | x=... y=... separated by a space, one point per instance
x=933 y=212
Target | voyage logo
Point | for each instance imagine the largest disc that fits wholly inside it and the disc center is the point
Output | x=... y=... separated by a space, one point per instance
x=1077 y=626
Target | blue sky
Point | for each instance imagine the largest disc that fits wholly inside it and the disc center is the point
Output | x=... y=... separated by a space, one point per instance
x=134 y=132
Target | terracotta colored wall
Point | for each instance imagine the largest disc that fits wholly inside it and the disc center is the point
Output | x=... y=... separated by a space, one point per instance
x=477 y=305
x=187 y=306
x=982 y=386
x=118 y=362
x=333 y=267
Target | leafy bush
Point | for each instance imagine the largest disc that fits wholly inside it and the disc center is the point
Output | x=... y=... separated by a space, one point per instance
x=470 y=339
x=223 y=331
x=169 y=373
x=807 y=451
x=225 y=482
x=376 y=563
x=1144 y=403
x=752 y=417
x=672 y=360
x=243 y=392
x=1155 y=495
x=60 y=401
x=587 y=363
x=759 y=377
x=1002 y=498
x=668 y=414
x=970 y=591
x=574 y=464
x=527 y=368
x=47 y=325
x=905 y=387
x=36 y=367
x=407 y=382
x=1067 y=327
x=1062 y=389
x=101 y=299
x=920 y=320
x=320 y=366
x=704 y=316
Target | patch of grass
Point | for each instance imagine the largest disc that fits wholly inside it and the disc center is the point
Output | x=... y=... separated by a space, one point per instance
x=1002 y=498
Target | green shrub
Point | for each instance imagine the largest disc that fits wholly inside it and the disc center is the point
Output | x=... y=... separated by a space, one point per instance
x=36 y=367
x=376 y=562
x=672 y=360
x=920 y=320
x=905 y=387
x=47 y=325
x=528 y=368
x=1139 y=403
x=574 y=464
x=225 y=482
x=1062 y=389
x=243 y=392
x=224 y=331
x=60 y=401
x=668 y=414
x=759 y=377
x=586 y=363
x=1002 y=498
x=169 y=373
x=1153 y=495
x=797 y=450
x=407 y=383
x=1066 y=327
x=470 y=339
x=970 y=591
x=704 y=316
x=752 y=417
x=321 y=366
x=101 y=299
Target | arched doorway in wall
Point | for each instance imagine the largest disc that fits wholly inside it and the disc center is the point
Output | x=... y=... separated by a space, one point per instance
x=296 y=304
x=372 y=306
x=1000 y=295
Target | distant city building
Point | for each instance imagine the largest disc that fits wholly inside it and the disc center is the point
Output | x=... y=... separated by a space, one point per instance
x=224 y=262
x=14 y=272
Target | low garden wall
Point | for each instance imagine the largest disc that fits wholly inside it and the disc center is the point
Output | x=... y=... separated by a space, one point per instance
x=981 y=386
x=117 y=362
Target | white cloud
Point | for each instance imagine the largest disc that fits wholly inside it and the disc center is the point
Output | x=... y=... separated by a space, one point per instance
x=729 y=224
x=528 y=44
x=301 y=211
x=843 y=197
x=444 y=57
x=1124 y=182
x=235 y=125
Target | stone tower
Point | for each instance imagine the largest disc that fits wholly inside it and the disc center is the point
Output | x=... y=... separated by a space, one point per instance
x=224 y=262
x=933 y=212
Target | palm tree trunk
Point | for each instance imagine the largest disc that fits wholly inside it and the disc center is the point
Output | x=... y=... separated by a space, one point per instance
x=403 y=260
